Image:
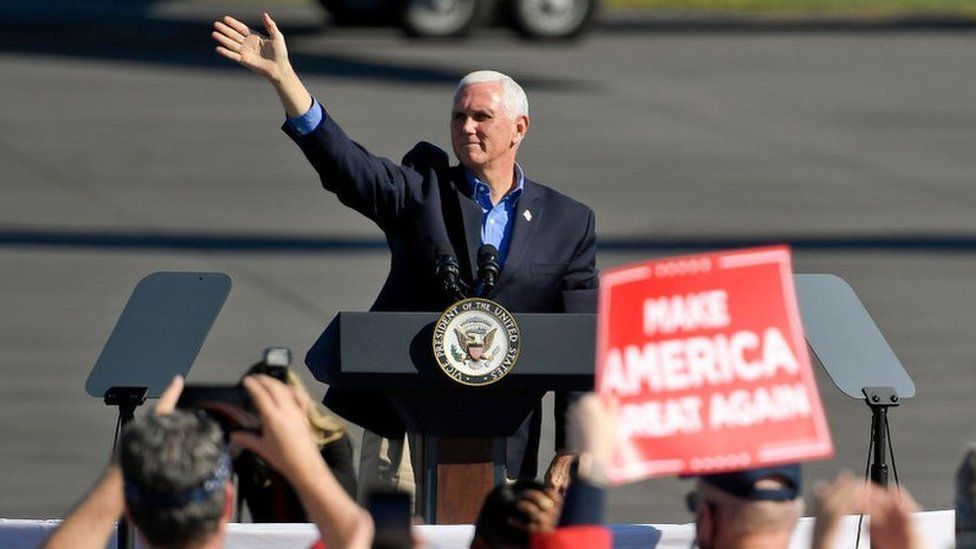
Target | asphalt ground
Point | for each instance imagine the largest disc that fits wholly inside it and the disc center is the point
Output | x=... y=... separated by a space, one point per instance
x=127 y=147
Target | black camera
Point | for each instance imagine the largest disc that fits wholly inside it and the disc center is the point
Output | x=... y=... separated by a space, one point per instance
x=230 y=405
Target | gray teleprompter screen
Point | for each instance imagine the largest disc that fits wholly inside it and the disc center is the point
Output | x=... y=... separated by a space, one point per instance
x=160 y=331
x=845 y=339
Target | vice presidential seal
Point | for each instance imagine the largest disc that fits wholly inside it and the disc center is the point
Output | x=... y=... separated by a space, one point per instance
x=476 y=341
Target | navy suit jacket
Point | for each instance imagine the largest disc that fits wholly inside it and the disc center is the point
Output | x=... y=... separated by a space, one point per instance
x=425 y=208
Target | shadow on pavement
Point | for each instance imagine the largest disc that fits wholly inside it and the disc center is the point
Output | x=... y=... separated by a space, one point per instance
x=249 y=243
x=637 y=22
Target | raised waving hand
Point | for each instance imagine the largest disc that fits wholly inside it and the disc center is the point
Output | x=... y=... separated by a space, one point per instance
x=267 y=56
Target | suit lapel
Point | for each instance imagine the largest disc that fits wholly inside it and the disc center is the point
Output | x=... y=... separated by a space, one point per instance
x=522 y=230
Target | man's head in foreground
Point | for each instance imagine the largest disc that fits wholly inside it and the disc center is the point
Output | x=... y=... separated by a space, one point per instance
x=752 y=508
x=489 y=119
x=176 y=472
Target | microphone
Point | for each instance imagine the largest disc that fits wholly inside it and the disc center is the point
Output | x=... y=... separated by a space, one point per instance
x=447 y=271
x=488 y=269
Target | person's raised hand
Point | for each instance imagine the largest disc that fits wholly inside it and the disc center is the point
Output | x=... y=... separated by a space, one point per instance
x=167 y=401
x=891 y=519
x=845 y=496
x=558 y=474
x=540 y=509
x=285 y=441
x=593 y=432
x=267 y=56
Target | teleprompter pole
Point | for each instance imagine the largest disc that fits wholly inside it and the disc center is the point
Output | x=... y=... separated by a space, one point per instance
x=158 y=335
x=879 y=399
x=127 y=399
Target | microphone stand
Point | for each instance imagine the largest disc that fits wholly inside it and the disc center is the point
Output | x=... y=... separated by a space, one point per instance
x=448 y=272
x=488 y=269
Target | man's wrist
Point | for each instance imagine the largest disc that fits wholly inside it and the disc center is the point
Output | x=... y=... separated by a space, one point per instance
x=282 y=75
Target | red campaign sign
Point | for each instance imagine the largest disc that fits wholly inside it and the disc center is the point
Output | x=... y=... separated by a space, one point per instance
x=707 y=359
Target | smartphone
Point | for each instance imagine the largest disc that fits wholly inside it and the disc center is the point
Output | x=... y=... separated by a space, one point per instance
x=391 y=518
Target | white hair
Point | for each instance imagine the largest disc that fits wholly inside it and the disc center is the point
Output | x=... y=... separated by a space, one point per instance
x=513 y=96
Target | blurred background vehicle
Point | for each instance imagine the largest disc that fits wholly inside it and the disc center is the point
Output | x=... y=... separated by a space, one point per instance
x=536 y=19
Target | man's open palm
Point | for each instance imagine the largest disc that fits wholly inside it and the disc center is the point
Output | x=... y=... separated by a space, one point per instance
x=265 y=56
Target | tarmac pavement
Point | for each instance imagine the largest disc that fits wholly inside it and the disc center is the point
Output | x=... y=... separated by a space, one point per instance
x=127 y=146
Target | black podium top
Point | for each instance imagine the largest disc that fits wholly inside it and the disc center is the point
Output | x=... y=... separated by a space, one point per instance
x=391 y=350
x=392 y=353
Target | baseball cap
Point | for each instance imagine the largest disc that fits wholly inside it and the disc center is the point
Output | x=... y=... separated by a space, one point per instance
x=742 y=484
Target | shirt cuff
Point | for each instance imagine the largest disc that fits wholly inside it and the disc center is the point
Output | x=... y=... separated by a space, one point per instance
x=306 y=123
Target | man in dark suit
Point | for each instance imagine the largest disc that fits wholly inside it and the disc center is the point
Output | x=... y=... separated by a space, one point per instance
x=426 y=208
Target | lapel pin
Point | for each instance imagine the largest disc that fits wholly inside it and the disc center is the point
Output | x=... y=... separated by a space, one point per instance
x=527 y=215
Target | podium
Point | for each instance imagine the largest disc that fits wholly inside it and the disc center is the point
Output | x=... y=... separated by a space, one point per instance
x=460 y=427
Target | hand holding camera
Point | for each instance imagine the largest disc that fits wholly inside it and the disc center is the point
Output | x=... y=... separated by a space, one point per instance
x=285 y=440
x=231 y=405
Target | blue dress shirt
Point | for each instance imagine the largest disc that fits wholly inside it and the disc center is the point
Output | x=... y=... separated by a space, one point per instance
x=497 y=219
